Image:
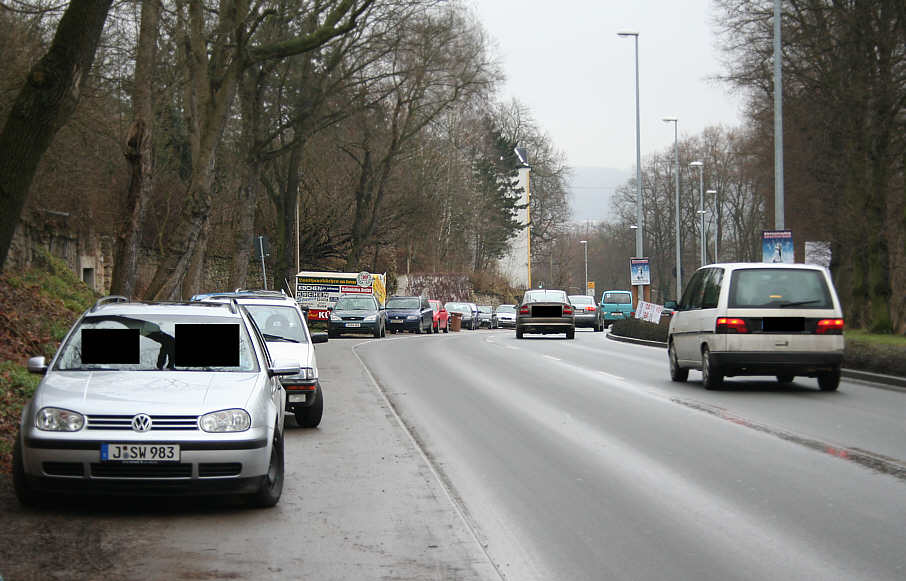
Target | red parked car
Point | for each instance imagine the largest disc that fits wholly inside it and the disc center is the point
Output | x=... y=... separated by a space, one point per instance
x=441 y=316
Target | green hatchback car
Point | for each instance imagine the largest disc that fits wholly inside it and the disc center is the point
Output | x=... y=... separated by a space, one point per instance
x=616 y=306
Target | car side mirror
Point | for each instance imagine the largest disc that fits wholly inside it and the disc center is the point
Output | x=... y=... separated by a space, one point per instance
x=319 y=337
x=37 y=365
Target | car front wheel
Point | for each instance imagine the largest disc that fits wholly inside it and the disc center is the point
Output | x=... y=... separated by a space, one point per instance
x=24 y=493
x=518 y=333
x=272 y=482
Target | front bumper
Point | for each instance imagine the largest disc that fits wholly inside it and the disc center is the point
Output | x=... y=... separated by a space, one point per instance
x=403 y=325
x=216 y=466
x=338 y=328
x=301 y=394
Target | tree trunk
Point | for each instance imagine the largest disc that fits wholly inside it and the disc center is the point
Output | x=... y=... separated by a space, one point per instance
x=44 y=104
x=139 y=156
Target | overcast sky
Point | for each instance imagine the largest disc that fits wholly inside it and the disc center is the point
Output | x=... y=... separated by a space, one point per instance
x=564 y=61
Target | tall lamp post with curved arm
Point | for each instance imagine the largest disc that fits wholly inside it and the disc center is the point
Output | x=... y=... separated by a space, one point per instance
x=639 y=249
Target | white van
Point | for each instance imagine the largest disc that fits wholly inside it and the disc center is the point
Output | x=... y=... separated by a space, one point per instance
x=758 y=319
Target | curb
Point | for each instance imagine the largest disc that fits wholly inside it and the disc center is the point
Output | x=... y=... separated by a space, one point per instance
x=887 y=380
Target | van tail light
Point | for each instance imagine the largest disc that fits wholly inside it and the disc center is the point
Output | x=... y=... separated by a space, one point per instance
x=567 y=309
x=730 y=325
x=830 y=327
x=524 y=310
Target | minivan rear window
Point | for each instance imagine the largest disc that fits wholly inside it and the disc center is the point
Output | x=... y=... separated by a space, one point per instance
x=617 y=298
x=779 y=288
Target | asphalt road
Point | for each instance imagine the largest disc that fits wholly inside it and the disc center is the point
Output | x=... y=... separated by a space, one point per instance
x=474 y=456
x=582 y=460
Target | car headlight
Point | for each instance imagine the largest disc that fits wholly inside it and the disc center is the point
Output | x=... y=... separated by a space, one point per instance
x=225 y=421
x=59 y=420
x=412 y=317
x=370 y=318
x=305 y=374
x=336 y=318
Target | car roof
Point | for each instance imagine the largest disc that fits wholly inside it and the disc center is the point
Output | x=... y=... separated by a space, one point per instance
x=267 y=298
x=781 y=265
x=105 y=306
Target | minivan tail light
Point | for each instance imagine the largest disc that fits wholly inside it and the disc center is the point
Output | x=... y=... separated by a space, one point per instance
x=830 y=327
x=731 y=325
x=524 y=310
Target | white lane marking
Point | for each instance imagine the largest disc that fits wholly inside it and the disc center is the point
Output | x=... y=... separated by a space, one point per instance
x=612 y=376
x=554 y=358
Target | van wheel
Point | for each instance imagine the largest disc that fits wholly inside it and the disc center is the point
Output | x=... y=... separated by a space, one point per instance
x=310 y=417
x=830 y=380
x=785 y=378
x=711 y=377
x=677 y=373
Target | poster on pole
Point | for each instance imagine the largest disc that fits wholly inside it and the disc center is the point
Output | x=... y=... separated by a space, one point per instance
x=777 y=246
x=639 y=271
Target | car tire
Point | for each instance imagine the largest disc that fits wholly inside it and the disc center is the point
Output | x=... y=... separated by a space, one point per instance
x=829 y=381
x=785 y=378
x=310 y=417
x=377 y=332
x=24 y=493
x=711 y=377
x=518 y=333
x=599 y=327
x=677 y=373
x=571 y=334
x=383 y=330
x=272 y=482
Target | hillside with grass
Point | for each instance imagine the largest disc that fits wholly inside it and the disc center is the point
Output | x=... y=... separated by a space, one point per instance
x=37 y=308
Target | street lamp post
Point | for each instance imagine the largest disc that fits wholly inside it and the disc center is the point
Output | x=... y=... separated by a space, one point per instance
x=701 y=207
x=585 y=244
x=639 y=248
x=679 y=259
x=716 y=218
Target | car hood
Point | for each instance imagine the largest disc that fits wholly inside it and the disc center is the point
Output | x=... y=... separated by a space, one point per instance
x=146 y=391
x=354 y=313
x=289 y=353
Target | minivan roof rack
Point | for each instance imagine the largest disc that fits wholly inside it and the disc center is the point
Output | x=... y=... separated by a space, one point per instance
x=109 y=299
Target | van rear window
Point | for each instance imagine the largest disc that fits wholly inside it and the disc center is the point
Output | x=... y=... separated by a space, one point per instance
x=778 y=288
x=617 y=299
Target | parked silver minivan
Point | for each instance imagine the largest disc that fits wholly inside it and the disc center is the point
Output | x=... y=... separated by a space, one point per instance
x=758 y=319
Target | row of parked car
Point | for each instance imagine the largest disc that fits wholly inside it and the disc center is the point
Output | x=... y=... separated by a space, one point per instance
x=363 y=314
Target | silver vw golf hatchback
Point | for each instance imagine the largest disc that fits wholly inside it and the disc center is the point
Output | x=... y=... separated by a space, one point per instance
x=155 y=399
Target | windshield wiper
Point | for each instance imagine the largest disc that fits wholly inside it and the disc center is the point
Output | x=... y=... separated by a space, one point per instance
x=279 y=338
x=797 y=303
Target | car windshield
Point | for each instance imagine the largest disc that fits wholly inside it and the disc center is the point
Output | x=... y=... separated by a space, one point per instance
x=279 y=323
x=545 y=296
x=403 y=303
x=581 y=300
x=506 y=309
x=778 y=288
x=355 y=304
x=158 y=342
x=457 y=307
x=617 y=298
x=487 y=310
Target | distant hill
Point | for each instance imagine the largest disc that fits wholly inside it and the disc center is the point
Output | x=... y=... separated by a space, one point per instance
x=591 y=189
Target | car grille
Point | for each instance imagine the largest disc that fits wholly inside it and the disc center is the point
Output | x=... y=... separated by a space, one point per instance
x=63 y=468
x=353 y=318
x=114 y=470
x=124 y=422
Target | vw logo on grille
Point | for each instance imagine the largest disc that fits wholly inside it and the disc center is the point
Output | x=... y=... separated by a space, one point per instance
x=141 y=423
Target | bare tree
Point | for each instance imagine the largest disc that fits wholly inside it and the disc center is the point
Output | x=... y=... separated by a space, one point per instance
x=44 y=104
